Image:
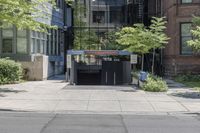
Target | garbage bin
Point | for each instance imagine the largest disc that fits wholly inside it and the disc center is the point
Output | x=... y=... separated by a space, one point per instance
x=143 y=76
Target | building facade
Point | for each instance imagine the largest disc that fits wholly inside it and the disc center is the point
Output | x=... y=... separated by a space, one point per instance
x=99 y=17
x=178 y=57
x=41 y=54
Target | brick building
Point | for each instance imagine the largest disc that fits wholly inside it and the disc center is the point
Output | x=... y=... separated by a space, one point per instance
x=178 y=57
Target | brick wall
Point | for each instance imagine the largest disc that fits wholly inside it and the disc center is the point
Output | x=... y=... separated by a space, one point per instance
x=176 y=13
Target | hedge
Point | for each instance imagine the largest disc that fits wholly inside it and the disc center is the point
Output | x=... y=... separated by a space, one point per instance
x=10 y=71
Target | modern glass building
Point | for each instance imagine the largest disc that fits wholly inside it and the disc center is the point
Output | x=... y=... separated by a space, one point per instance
x=41 y=54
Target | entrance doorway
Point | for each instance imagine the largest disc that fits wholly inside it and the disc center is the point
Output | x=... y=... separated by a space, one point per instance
x=100 y=68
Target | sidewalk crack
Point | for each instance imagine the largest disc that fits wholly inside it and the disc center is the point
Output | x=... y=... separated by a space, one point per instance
x=123 y=124
x=48 y=123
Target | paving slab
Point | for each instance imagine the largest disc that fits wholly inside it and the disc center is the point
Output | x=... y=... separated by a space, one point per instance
x=104 y=95
x=168 y=107
x=192 y=106
x=104 y=106
x=57 y=96
x=136 y=106
x=72 y=105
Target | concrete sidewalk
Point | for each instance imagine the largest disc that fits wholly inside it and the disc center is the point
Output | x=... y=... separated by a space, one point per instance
x=56 y=97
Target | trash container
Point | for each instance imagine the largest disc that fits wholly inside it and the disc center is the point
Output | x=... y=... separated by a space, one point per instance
x=143 y=76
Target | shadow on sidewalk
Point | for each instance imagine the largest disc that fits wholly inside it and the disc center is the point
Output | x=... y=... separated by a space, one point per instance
x=9 y=90
x=191 y=95
x=57 y=79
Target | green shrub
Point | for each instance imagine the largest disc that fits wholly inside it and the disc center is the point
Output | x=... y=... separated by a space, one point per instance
x=155 y=84
x=10 y=71
x=197 y=89
x=188 y=78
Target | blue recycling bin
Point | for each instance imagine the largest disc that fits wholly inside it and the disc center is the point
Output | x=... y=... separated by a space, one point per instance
x=143 y=76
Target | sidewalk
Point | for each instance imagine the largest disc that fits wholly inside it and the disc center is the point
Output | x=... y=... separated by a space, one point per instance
x=55 y=96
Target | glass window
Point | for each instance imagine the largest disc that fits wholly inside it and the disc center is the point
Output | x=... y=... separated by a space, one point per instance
x=186 y=36
x=42 y=47
x=33 y=34
x=7 y=45
x=186 y=1
x=38 y=46
x=7 y=39
x=99 y=17
x=55 y=43
x=33 y=47
x=52 y=42
x=21 y=42
x=38 y=34
x=48 y=43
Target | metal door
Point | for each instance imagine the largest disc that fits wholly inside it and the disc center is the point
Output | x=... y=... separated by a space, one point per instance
x=112 y=73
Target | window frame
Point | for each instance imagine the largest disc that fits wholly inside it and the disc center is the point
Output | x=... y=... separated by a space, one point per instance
x=181 y=37
x=26 y=37
x=181 y=1
x=2 y=37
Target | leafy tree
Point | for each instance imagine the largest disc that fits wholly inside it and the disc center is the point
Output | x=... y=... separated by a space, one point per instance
x=109 y=42
x=160 y=39
x=136 y=39
x=69 y=2
x=84 y=38
x=24 y=13
x=195 y=42
x=141 y=40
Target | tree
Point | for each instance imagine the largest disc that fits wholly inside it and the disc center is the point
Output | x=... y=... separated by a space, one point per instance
x=141 y=40
x=160 y=39
x=195 y=42
x=24 y=13
x=84 y=38
x=109 y=42
x=136 y=39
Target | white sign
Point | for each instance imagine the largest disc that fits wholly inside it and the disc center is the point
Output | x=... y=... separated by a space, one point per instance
x=69 y=61
x=134 y=59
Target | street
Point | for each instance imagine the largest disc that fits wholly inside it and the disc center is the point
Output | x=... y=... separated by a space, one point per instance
x=52 y=107
x=23 y=122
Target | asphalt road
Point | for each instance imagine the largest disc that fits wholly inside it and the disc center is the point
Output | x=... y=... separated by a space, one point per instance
x=73 y=123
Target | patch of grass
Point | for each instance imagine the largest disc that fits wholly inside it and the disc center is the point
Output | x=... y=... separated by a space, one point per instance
x=192 y=84
x=189 y=80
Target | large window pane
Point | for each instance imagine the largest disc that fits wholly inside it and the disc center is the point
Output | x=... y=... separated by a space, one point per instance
x=21 y=42
x=7 y=45
x=186 y=36
x=186 y=1
x=185 y=29
x=7 y=39
x=38 y=46
x=99 y=17
x=185 y=48
x=33 y=46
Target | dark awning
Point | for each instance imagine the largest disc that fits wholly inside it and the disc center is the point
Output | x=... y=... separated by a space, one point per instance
x=98 y=52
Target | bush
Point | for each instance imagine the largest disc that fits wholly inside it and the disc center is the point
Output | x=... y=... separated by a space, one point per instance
x=10 y=71
x=155 y=84
x=188 y=78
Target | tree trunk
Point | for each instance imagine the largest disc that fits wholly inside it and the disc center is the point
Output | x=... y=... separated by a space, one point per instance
x=142 y=67
x=153 y=62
